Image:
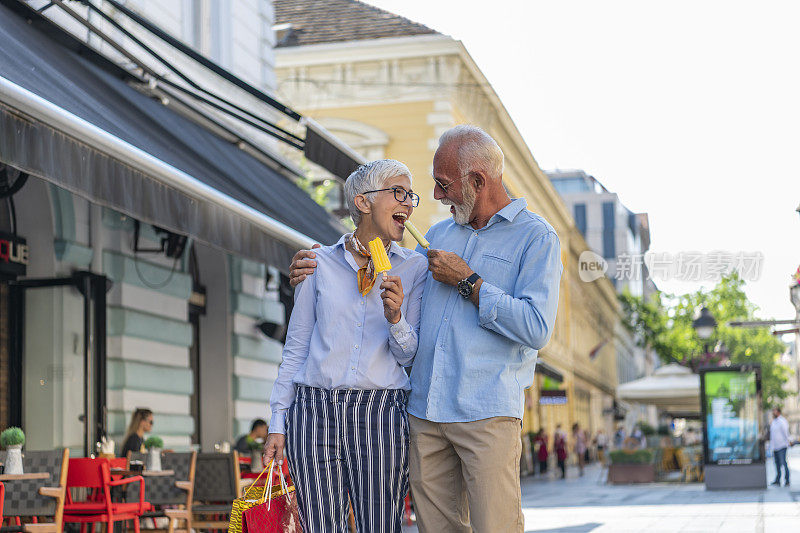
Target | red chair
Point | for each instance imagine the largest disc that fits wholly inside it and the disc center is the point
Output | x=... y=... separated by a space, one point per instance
x=2 y=499
x=94 y=474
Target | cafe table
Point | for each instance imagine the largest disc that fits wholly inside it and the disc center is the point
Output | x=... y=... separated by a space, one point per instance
x=21 y=477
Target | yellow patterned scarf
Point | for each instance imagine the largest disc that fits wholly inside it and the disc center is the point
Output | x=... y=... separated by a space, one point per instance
x=365 y=274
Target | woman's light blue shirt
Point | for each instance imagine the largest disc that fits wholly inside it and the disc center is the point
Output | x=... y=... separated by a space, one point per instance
x=338 y=339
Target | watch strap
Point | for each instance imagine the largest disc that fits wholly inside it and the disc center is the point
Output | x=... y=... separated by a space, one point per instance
x=473 y=279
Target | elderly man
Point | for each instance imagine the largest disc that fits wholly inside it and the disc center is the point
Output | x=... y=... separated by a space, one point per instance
x=489 y=305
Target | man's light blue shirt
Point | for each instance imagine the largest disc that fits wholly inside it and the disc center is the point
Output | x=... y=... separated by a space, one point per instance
x=474 y=362
x=338 y=339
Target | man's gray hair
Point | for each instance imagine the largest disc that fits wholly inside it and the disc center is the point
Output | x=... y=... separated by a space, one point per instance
x=476 y=150
x=370 y=177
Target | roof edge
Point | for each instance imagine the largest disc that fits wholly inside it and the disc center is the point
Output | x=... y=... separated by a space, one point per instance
x=366 y=50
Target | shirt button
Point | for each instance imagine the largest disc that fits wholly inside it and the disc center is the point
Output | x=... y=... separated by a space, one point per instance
x=361 y=302
x=445 y=320
x=356 y=346
x=358 y=324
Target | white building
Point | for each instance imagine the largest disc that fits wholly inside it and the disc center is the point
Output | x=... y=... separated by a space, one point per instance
x=621 y=237
x=158 y=214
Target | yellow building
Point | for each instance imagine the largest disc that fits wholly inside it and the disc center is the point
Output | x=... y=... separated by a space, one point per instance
x=390 y=87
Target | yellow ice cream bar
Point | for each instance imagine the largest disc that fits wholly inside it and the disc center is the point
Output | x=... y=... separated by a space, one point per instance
x=416 y=234
x=379 y=257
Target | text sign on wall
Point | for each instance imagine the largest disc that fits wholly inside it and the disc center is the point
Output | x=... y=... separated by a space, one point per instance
x=13 y=255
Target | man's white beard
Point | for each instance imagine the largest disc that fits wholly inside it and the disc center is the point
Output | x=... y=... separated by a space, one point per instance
x=463 y=211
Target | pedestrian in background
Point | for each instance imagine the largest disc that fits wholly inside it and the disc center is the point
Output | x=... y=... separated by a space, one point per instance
x=619 y=437
x=560 y=446
x=579 y=437
x=601 y=441
x=541 y=452
x=638 y=435
x=779 y=442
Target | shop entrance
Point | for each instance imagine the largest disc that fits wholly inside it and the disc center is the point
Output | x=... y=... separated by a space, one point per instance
x=57 y=360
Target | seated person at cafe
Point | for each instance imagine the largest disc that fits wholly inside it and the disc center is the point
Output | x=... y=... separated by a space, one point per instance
x=141 y=423
x=258 y=431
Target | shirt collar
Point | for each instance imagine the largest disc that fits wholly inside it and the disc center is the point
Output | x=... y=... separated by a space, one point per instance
x=394 y=248
x=509 y=212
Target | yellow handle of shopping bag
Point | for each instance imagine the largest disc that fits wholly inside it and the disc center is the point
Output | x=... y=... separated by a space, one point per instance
x=256 y=481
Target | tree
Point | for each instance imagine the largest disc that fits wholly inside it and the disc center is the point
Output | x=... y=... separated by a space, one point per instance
x=664 y=324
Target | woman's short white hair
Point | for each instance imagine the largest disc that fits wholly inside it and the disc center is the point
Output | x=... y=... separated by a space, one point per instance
x=370 y=177
x=476 y=150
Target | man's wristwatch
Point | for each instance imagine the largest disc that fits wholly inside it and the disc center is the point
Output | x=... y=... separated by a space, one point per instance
x=466 y=286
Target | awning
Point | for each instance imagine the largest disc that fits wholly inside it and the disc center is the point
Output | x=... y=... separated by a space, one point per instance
x=672 y=387
x=77 y=125
x=544 y=369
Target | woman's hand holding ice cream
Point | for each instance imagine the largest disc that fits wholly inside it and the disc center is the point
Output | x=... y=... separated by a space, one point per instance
x=392 y=296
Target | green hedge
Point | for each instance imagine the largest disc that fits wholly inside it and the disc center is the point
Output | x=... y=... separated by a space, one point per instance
x=638 y=457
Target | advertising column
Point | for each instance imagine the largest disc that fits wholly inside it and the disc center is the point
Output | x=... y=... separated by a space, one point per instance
x=732 y=449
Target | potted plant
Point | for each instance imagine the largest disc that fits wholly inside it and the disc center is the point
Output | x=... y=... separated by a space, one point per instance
x=647 y=429
x=154 y=446
x=631 y=466
x=12 y=440
x=256 y=449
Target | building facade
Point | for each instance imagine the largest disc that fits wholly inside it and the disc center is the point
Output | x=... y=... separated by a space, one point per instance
x=391 y=87
x=184 y=317
x=622 y=238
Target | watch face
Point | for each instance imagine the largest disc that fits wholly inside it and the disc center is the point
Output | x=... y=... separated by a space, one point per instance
x=464 y=288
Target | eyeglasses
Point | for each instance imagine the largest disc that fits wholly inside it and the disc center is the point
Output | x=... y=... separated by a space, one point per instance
x=444 y=187
x=400 y=195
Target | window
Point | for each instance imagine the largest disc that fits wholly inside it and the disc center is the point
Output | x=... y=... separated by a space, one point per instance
x=571 y=185
x=579 y=212
x=609 y=246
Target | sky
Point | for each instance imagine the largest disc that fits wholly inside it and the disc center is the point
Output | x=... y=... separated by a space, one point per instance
x=689 y=111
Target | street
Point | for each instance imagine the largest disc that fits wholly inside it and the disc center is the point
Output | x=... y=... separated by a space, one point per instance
x=586 y=504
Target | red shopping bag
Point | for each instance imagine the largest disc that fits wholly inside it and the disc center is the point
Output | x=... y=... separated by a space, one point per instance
x=278 y=512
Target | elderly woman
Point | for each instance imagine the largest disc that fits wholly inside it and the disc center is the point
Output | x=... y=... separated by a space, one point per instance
x=338 y=404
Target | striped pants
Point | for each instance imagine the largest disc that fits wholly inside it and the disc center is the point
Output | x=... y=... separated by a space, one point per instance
x=352 y=443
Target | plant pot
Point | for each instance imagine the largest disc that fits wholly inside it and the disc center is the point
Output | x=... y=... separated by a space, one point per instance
x=256 y=462
x=153 y=460
x=631 y=473
x=13 y=463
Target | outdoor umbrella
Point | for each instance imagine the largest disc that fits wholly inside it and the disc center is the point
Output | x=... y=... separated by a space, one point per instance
x=672 y=387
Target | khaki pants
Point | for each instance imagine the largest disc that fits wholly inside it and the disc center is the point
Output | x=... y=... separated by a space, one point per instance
x=465 y=475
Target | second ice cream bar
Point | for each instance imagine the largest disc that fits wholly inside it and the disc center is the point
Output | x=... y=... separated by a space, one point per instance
x=379 y=257
x=416 y=234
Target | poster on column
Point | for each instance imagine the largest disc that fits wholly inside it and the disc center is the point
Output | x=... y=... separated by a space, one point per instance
x=731 y=401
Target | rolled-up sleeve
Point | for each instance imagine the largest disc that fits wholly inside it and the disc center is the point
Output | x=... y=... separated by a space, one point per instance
x=295 y=351
x=404 y=336
x=529 y=314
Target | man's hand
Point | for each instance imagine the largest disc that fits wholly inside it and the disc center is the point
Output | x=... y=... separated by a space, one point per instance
x=302 y=266
x=392 y=297
x=447 y=267
x=274 y=448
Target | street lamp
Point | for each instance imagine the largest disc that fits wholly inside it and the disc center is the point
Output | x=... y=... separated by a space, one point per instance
x=704 y=325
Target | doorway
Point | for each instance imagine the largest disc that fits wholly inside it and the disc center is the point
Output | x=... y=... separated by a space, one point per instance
x=57 y=360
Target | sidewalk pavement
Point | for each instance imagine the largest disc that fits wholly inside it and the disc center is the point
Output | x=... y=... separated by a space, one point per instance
x=586 y=504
